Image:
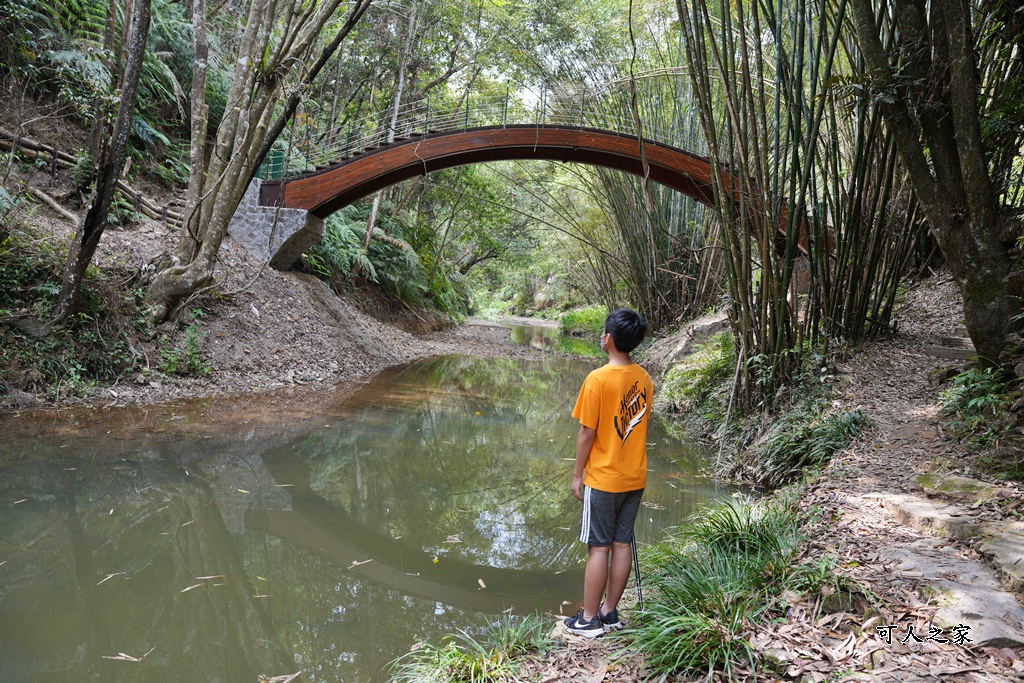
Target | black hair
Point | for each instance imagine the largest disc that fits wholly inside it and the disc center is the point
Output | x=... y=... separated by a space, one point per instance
x=626 y=327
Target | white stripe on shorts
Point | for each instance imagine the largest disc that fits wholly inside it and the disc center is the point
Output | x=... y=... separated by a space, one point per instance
x=585 y=530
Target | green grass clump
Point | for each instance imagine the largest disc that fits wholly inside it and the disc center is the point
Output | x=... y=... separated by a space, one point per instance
x=462 y=658
x=724 y=569
x=692 y=383
x=584 y=322
x=580 y=347
x=802 y=439
x=187 y=356
x=821 y=577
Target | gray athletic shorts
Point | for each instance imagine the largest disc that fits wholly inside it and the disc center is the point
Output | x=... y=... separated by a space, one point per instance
x=609 y=517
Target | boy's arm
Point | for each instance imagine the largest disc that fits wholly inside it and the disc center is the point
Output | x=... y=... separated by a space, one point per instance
x=584 y=442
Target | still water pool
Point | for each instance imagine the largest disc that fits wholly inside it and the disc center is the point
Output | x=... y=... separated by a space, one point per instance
x=324 y=531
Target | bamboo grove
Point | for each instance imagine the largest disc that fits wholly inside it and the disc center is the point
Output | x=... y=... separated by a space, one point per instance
x=824 y=222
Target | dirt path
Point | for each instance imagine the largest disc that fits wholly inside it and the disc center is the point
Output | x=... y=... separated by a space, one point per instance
x=914 y=546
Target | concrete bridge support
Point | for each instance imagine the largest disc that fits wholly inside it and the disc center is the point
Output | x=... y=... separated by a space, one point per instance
x=271 y=233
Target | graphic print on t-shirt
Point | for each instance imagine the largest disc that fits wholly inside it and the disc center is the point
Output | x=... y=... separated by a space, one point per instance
x=632 y=409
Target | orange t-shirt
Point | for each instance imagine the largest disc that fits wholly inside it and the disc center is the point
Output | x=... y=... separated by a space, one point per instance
x=615 y=400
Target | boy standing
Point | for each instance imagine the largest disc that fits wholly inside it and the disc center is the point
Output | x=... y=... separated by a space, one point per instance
x=613 y=408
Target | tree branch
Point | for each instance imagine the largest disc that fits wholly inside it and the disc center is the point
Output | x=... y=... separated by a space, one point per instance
x=897 y=114
x=52 y=203
x=292 y=104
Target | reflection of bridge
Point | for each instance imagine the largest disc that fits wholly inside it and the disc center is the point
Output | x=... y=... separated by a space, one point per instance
x=332 y=533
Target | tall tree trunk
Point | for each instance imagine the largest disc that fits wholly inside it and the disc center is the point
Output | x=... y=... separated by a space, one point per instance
x=172 y=285
x=200 y=118
x=278 y=35
x=396 y=102
x=88 y=235
x=293 y=101
x=96 y=142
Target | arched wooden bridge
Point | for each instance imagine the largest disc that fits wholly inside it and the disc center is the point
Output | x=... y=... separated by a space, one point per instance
x=327 y=189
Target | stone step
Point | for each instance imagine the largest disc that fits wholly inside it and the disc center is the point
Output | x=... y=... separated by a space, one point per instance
x=962 y=490
x=957 y=342
x=929 y=515
x=1002 y=544
x=946 y=352
x=968 y=592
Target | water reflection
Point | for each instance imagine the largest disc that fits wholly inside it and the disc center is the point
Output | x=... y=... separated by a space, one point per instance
x=537 y=336
x=549 y=338
x=301 y=533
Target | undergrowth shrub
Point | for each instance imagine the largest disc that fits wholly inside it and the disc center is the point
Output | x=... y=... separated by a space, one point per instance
x=98 y=343
x=693 y=383
x=974 y=399
x=187 y=356
x=804 y=437
x=726 y=567
x=341 y=249
x=390 y=261
x=463 y=658
x=580 y=347
x=584 y=322
x=58 y=48
x=511 y=289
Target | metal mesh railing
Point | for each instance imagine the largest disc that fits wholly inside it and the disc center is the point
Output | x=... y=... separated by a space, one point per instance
x=308 y=149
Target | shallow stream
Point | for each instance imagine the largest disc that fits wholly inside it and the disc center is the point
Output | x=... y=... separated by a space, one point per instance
x=321 y=531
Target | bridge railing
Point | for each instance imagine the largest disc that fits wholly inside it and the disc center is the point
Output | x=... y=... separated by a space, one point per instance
x=309 y=149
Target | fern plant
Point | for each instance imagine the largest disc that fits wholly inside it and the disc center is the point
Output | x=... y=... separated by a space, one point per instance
x=60 y=47
x=389 y=262
x=341 y=249
x=974 y=400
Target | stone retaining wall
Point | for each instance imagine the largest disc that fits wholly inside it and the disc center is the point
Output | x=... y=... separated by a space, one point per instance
x=271 y=233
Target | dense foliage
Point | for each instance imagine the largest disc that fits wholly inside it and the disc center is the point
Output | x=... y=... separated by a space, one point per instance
x=851 y=147
x=69 y=50
x=97 y=346
x=476 y=231
x=520 y=237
